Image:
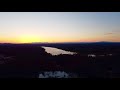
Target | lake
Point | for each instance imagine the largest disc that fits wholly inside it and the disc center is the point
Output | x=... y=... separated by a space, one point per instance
x=55 y=51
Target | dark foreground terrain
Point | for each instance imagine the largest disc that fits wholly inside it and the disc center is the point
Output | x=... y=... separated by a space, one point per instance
x=28 y=60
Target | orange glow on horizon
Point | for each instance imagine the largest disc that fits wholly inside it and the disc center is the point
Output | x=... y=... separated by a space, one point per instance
x=33 y=38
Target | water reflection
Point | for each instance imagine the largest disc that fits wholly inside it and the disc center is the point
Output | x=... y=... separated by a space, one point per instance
x=56 y=74
x=91 y=55
x=55 y=51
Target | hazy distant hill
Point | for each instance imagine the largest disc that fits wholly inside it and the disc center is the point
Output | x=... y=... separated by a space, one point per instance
x=101 y=42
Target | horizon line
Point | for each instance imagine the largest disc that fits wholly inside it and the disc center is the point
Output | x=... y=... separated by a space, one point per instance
x=60 y=42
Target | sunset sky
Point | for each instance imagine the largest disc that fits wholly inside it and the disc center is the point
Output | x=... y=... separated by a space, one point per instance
x=26 y=27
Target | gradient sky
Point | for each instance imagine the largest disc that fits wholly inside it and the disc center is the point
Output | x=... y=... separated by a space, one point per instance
x=24 y=27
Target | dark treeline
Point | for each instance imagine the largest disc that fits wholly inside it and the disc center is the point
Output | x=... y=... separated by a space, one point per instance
x=27 y=60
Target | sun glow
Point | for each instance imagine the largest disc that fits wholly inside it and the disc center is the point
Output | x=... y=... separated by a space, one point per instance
x=29 y=39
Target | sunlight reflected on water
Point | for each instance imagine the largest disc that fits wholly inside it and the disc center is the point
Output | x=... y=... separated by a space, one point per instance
x=55 y=51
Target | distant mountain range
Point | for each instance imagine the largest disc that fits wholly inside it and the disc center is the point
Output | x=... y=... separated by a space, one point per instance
x=101 y=42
